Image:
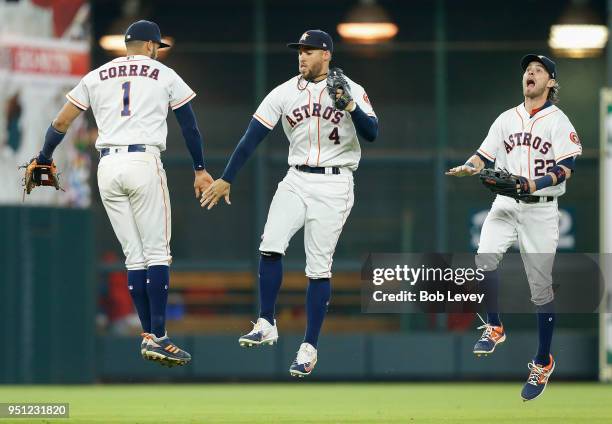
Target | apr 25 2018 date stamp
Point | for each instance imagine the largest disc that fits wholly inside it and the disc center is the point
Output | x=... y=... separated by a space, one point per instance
x=34 y=410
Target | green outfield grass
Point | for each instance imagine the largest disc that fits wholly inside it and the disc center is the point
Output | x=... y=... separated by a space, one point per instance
x=305 y=402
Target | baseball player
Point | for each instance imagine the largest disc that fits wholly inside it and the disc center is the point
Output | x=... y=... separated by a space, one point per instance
x=322 y=112
x=129 y=97
x=536 y=142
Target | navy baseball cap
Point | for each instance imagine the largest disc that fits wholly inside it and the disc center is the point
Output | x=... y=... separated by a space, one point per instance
x=144 y=31
x=314 y=38
x=548 y=64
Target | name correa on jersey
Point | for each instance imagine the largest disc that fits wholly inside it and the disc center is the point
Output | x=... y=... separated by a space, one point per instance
x=128 y=71
x=129 y=97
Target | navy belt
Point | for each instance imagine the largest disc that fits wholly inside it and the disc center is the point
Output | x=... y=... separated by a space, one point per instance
x=537 y=199
x=131 y=148
x=317 y=169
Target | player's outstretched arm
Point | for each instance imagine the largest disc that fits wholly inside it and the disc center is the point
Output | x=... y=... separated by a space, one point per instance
x=193 y=139
x=472 y=167
x=43 y=164
x=254 y=135
x=56 y=132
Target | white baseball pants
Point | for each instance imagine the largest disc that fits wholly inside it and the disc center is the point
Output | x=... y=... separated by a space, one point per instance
x=135 y=195
x=536 y=226
x=320 y=203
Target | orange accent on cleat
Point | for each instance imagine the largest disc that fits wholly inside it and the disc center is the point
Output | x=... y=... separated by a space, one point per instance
x=544 y=376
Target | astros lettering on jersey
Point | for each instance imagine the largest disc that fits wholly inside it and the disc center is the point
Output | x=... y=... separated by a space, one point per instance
x=530 y=145
x=317 y=132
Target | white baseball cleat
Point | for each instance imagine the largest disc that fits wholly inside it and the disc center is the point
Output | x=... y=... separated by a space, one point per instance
x=305 y=361
x=262 y=333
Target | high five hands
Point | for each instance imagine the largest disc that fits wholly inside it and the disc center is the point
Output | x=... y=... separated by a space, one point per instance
x=218 y=189
x=201 y=182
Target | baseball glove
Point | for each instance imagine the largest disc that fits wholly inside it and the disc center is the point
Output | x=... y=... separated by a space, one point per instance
x=335 y=81
x=501 y=181
x=39 y=175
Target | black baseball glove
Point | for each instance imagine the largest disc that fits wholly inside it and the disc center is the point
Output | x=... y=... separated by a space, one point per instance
x=335 y=82
x=501 y=181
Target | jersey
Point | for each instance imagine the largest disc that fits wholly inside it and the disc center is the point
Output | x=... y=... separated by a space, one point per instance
x=318 y=134
x=129 y=97
x=530 y=145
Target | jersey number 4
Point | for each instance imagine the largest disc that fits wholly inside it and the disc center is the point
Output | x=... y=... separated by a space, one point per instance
x=334 y=136
x=126 y=98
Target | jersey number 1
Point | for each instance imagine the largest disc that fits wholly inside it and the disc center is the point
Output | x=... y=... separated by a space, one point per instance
x=126 y=98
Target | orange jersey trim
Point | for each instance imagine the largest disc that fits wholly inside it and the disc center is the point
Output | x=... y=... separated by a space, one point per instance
x=344 y=218
x=568 y=155
x=528 y=152
x=543 y=116
x=185 y=100
x=161 y=184
x=520 y=117
x=319 y=130
x=263 y=121
x=488 y=155
x=76 y=102
x=309 y=98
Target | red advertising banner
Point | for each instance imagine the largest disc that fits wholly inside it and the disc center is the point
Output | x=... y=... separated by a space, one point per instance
x=44 y=57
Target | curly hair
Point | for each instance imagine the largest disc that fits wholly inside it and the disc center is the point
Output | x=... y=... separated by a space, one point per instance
x=553 y=93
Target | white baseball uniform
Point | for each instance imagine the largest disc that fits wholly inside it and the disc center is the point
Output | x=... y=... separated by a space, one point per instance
x=129 y=97
x=319 y=136
x=527 y=145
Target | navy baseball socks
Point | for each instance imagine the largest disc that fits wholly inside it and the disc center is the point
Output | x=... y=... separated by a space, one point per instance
x=157 y=289
x=546 y=325
x=317 y=300
x=543 y=364
x=491 y=282
x=137 y=286
x=493 y=333
x=158 y=345
x=270 y=279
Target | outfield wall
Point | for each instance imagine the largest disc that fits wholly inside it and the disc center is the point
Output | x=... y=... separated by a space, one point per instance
x=47 y=294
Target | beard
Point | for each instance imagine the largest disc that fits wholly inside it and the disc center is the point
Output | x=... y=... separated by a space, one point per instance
x=314 y=72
